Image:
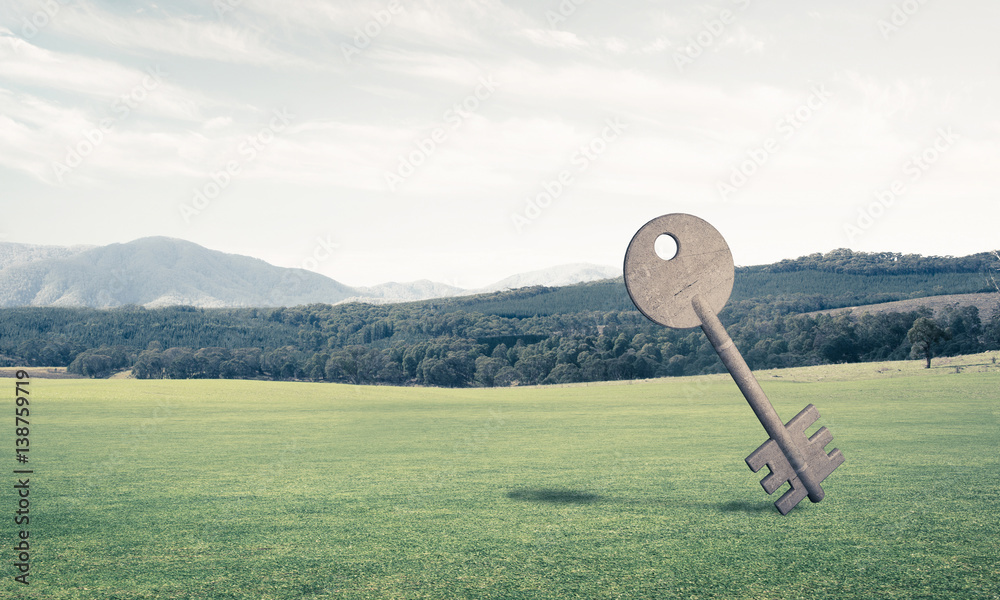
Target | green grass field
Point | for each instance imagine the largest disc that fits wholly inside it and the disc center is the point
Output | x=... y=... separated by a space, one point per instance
x=257 y=490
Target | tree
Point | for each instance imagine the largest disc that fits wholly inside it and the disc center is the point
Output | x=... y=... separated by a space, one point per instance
x=487 y=369
x=235 y=368
x=535 y=367
x=564 y=373
x=207 y=361
x=179 y=363
x=412 y=358
x=964 y=328
x=149 y=365
x=392 y=373
x=923 y=335
x=437 y=372
x=506 y=377
x=96 y=365
x=99 y=362
x=992 y=275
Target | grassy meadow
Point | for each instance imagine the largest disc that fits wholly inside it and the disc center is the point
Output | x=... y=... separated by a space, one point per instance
x=261 y=490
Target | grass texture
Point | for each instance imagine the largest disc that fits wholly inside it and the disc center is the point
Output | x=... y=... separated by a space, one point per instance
x=265 y=490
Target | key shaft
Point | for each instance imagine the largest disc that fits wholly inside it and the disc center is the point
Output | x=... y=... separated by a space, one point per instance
x=755 y=396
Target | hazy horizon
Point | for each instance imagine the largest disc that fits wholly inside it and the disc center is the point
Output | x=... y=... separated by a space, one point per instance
x=308 y=264
x=464 y=142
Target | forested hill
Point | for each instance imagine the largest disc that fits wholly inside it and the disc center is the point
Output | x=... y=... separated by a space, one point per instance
x=815 y=282
x=866 y=278
x=588 y=332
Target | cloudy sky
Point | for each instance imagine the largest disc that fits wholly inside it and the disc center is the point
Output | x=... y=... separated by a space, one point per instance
x=464 y=141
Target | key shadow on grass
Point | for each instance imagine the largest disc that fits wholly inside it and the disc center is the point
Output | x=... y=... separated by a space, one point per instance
x=553 y=496
x=565 y=496
x=744 y=506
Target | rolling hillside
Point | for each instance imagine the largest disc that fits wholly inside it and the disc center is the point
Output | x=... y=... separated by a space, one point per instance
x=19 y=254
x=160 y=271
x=986 y=303
x=585 y=332
x=817 y=282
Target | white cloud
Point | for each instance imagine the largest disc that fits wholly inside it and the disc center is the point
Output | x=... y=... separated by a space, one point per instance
x=417 y=64
x=447 y=26
x=313 y=15
x=615 y=45
x=191 y=36
x=18 y=148
x=37 y=134
x=33 y=132
x=149 y=89
x=742 y=40
x=217 y=123
x=553 y=38
x=554 y=89
x=26 y=63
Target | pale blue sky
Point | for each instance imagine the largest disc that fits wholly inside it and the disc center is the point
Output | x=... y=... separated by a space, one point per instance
x=262 y=127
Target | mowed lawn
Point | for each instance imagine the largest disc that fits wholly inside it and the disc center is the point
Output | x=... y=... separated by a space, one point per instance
x=257 y=490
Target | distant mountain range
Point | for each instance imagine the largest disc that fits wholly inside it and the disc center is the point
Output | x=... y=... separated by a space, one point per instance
x=160 y=271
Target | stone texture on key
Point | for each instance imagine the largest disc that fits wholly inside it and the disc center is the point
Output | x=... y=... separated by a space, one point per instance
x=821 y=464
x=663 y=290
x=771 y=455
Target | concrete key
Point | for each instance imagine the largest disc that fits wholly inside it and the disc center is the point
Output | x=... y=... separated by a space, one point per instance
x=689 y=289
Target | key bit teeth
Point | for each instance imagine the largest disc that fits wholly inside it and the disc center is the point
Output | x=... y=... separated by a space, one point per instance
x=821 y=438
x=790 y=499
x=821 y=463
x=800 y=422
x=770 y=454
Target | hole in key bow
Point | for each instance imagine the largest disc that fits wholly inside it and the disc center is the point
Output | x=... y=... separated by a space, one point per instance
x=665 y=246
